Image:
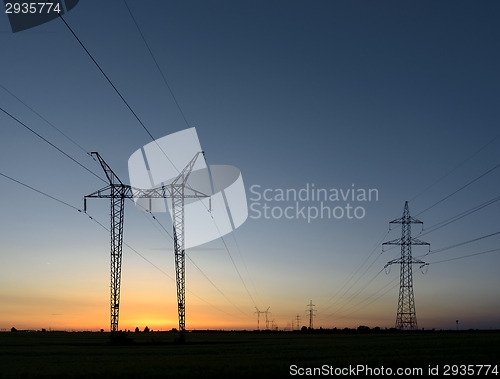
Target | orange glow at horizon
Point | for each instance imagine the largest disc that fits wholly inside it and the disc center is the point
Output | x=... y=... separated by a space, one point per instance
x=149 y=300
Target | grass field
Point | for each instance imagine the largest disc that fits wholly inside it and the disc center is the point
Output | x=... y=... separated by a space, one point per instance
x=234 y=354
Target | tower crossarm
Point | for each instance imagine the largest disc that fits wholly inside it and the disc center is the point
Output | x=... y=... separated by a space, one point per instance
x=402 y=241
x=165 y=192
x=129 y=192
x=406 y=220
x=415 y=241
x=192 y=193
x=110 y=191
x=400 y=261
x=397 y=241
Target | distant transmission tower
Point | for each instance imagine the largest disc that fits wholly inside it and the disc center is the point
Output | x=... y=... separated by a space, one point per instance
x=298 y=321
x=258 y=317
x=266 y=312
x=311 y=314
x=406 y=317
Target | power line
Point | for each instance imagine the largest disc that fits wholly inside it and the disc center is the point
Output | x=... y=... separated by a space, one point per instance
x=460 y=244
x=44 y=119
x=352 y=285
x=227 y=248
x=40 y=192
x=446 y=222
x=435 y=251
x=465 y=256
x=359 y=267
x=203 y=273
x=445 y=260
x=353 y=296
x=217 y=288
x=455 y=218
x=432 y=252
x=142 y=124
x=378 y=297
x=79 y=146
x=44 y=139
x=107 y=78
x=156 y=63
x=70 y=139
x=477 y=152
x=234 y=264
x=356 y=271
x=105 y=228
x=194 y=263
x=460 y=189
x=244 y=264
x=450 y=220
x=159 y=269
x=146 y=129
x=50 y=143
x=116 y=90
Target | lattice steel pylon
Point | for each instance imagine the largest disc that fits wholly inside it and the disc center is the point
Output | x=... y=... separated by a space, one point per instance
x=406 y=318
x=177 y=191
x=311 y=311
x=117 y=192
x=258 y=317
x=266 y=312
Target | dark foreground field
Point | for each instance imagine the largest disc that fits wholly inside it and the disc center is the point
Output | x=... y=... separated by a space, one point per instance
x=234 y=354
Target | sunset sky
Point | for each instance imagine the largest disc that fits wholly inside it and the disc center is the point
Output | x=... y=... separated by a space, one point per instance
x=397 y=97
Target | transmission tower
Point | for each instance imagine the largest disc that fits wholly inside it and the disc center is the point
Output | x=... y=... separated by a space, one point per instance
x=311 y=314
x=406 y=318
x=298 y=321
x=266 y=312
x=177 y=190
x=117 y=192
x=258 y=317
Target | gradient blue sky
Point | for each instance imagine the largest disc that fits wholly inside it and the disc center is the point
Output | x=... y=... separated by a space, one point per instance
x=385 y=95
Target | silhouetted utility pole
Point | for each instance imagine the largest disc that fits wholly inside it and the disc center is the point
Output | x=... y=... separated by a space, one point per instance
x=406 y=316
x=266 y=312
x=178 y=190
x=117 y=192
x=311 y=314
x=258 y=317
